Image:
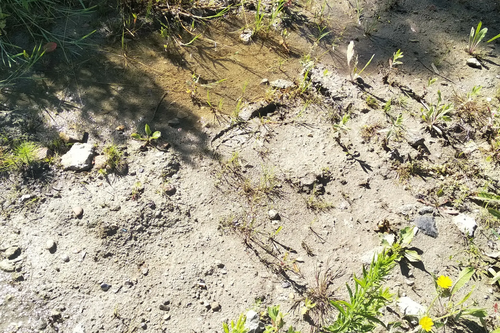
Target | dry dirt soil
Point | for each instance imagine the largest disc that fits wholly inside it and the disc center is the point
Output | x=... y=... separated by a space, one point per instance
x=224 y=215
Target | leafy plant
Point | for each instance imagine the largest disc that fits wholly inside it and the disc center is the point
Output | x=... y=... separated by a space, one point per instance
x=476 y=36
x=400 y=248
x=395 y=59
x=449 y=312
x=113 y=156
x=396 y=128
x=362 y=311
x=238 y=327
x=22 y=157
x=490 y=199
x=150 y=136
x=32 y=17
x=354 y=72
x=436 y=113
x=341 y=125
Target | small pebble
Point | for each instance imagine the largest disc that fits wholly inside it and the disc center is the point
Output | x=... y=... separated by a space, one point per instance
x=274 y=215
x=65 y=257
x=105 y=286
x=12 y=252
x=215 y=306
x=78 y=211
x=286 y=284
x=51 y=245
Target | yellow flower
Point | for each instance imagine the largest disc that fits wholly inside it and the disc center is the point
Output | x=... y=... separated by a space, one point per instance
x=426 y=323
x=444 y=282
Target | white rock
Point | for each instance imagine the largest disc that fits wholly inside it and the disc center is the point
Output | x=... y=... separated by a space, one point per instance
x=466 y=224
x=79 y=157
x=253 y=324
x=474 y=63
x=409 y=307
x=246 y=36
x=7 y=265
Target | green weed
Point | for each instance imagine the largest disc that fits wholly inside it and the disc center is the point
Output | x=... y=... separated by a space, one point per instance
x=436 y=113
x=20 y=158
x=366 y=299
x=476 y=36
x=354 y=71
x=149 y=138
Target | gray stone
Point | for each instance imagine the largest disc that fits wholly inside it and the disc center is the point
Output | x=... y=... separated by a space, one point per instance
x=7 y=265
x=308 y=180
x=79 y=157
x=408 y=307
x=182 y=115
x=72 y=136
x=426 y=210
x=415 y=139
x=12 y=252
x=474 y=63
x=164 y=307
x=282 y=84
x=274 y=215
x=174 y=122
x=264 y=82
x=105 y=286
x=43 y=153
x=406 y=209
x=253 y=323
x=466 y=224
x=427 y=224
x=100 y=162
x=78 y=211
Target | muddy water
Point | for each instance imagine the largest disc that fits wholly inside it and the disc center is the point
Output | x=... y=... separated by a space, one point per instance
x=149 y=80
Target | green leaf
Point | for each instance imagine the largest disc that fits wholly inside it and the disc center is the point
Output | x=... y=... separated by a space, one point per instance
x=412 y=256
x=406 y=235
x=466 y=297
x=136 y=136
x=156 y=135
x=479 y=313
x=148 y=130
x=497 y=36
x=496 y=330
x=494 y=212
x=464 y=277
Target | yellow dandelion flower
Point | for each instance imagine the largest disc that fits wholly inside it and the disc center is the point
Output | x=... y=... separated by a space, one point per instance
x=444 y=282
x=426 y=323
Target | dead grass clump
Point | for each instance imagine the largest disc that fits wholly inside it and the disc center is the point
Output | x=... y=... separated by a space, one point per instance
x=369 y=132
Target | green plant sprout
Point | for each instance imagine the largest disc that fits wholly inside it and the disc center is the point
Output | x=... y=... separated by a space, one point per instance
x=354 y=72
x=476 y=36
x=395 y=59
x=434 y=114
x=22 y=157
x=396 y=128
x=341 y=125
x=150 y=136
x=238 y=327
